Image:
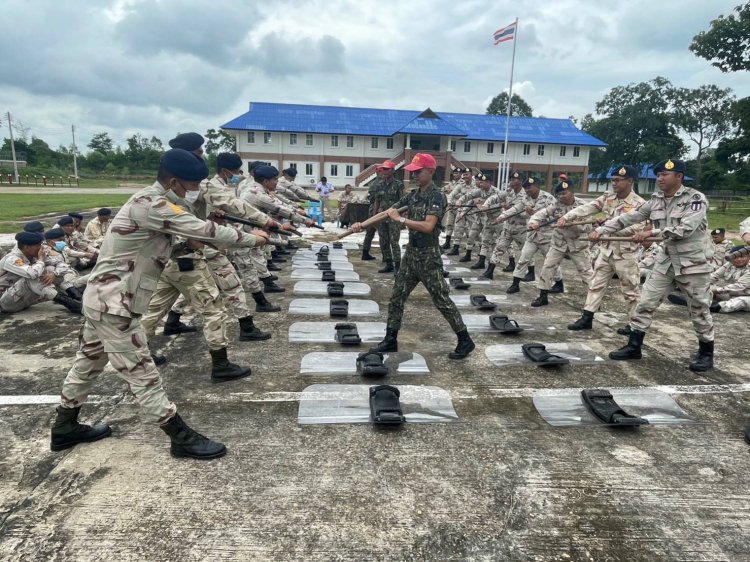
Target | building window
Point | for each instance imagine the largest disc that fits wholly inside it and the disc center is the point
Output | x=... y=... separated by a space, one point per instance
x=251 y=137
x=576 y=151
x=502 y=148
x=349 y=141
x=467 y=146
x=308 y=169
x=490 y=148
x=374 y=142
x=453 y=146
x=308 y=140
x=292 y=138
x=526 y=149
x=334 y=170
x=293 y=165
x=350 y=171
x=334 y=141
x=266 y=138
x=563 y=150
x=540 y=150
x=389 y=143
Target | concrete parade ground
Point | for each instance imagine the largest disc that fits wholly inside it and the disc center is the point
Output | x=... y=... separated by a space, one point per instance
x=499 y=483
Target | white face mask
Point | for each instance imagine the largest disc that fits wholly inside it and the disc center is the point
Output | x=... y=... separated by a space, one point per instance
x=192 y=196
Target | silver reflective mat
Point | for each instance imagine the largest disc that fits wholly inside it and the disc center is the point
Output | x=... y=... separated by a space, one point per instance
x=511 y=354
x=325 y=332
x=346 y=246
x=315 y=275
x=464 y=301
x=351 y=288
x=350 y=403
x=481 y=323
x=335 y=265
x=323 y=307
x=565 y=408
x=457 y=270
x=310 y=255
x=345 y=363
x=470 y=281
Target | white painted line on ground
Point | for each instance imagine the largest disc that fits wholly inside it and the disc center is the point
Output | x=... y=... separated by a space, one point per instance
x=31 y=399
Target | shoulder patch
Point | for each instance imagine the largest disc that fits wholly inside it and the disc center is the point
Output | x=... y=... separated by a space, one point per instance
x=176 y=209
x=696 y=204
x=697 y=197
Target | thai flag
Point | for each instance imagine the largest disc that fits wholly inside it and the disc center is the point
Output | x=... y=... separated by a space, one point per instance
x=505 y=34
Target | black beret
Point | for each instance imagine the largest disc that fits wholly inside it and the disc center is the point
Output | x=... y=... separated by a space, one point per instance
x=291 y=172
x=54 y=234
x=187 y=141
x=265 y=172
x=670 y=166
x=76 y=215
x=563 y=186
x=483 y=177
x=104 y=212
x=623 y=171
x=29 y=238
x=184 y=165
x=531 y=182
x=65 y=221
x=516 y=176
x=228 y=160
x=465 y=170
x=254 y=164
x=456 y=170
x=717 y=231
x=34 y=226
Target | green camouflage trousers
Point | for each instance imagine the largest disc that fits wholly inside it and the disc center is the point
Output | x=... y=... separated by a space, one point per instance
x=24 y=293
x=630 y=281
x=388 y=235
x=119 y=340
x=422 y=265
x=202 y=294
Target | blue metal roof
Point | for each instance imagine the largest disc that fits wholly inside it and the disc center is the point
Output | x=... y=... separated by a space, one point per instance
x=326 y=119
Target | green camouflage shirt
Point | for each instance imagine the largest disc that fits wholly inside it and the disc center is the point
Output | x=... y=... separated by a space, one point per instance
x=388 y=192
x=431 y=201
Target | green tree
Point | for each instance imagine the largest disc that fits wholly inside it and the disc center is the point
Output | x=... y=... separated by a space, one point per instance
x=727 y=42
x=518 y=106
x=220 y=141
x=101 y=142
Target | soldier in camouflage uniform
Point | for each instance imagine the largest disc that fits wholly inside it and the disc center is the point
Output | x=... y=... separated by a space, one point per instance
x=745 y=230
x=97 y=227
x=81 y=254
x=372 y=199
x=721 y=247
x=67 y=279
x=450 y=216
x=458 y=226
x=477 y=222
x=422 y=262
x=287 y=184
x=133 y=254
x=612 y=257
x=730 y=285
x=389 y=190
x=563 y=242
x=678 y=214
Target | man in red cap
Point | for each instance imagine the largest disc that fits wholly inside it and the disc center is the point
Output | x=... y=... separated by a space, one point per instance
x=422 y=262
x=388 y=190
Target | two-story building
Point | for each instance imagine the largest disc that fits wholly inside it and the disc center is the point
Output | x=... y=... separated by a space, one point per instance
x=345 y=143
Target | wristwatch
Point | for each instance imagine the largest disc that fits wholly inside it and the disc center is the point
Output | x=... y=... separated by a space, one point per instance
x=402 y=220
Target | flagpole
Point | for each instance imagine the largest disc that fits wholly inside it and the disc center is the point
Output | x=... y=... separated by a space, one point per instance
x=506 y=157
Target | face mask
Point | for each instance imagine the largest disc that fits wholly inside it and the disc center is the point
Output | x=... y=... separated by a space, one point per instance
x=192 y=196
x=60 y=245
x=235 y=180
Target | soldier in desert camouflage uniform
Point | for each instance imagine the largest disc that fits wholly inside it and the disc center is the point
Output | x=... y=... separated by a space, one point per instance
x=56 y=262
x=512 y=230
x=458 y=227
x=477 y=196
x=721 y=246
x=450 y=215
x=97 y=227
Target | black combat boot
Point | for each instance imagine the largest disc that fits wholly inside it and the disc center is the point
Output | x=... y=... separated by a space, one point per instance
x=466 y=257
x=396 y=267
x=156 y=357
x=389 y=343
x=714 y=308
x=187 y=442
x=464 y=346
x=515 y=286
x=250 y=332
x=625 y=330
x=454 y=251
x=632 y=350
x=270 y=287
x=223 y=370
x=585 y=322
x=366 y=256
x=71 y=304
x=489 y=273
x=67 y=432
x=541 y=300
x=262 y=304
x=705 y=358
x=530 y=276
x=387 y=268
x=511 y=265
x=277 y=257
x=173 y=326
x=270 y=266
x=480 y=263
x=558 y=287
x=447 y=244
x=677 y=299
x=74 y=293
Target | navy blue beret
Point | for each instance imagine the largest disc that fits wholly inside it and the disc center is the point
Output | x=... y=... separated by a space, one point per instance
x=54 y=234
x=564 y=185
x=76 y=215
x=531 y=182
x=516 y=176
x=65 y=221
x=670 y=166
x=265 y=173
x=717 y=231
x=184 y=165
x=187 y=141
x=737 y=249
x=228 y=160
x=252 y=165
x=291 y=172
x=34 y=226
x=29 y=238
x=623 y=171
x=104 y=212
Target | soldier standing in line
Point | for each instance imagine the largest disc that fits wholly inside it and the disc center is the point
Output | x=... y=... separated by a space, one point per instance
x=450 y=216
x=477 y=196
x=374 y=209
x=133 y=254
x=458 y=227
x=678 y=214
x=613 y=257
x=389 y=190
x=422 y=262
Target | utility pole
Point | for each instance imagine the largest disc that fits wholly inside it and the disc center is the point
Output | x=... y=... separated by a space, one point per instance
x=75 y=158
x=12 y=147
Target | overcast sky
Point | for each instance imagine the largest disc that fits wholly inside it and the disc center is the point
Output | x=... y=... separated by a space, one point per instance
x=153 y=67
